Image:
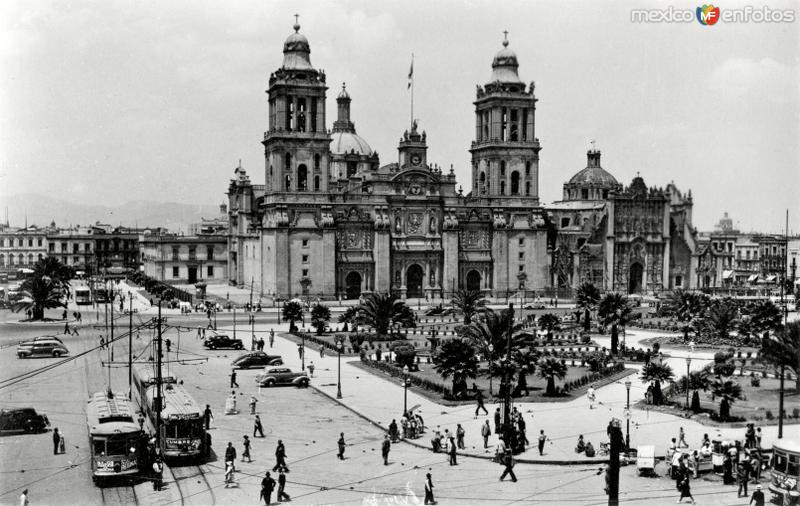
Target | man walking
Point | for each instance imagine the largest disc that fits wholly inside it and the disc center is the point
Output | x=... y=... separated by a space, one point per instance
x=758 y=497
x=385 y=450
x=508 y=462
x=460 y=436
x=271 y=337
x=207 y=416
x=341 y=446
x=280 y=457
x=486 y=431
x=542 y=440
x=253 y=402
x=429 y=490
x=246 y=451
x=282 y=496
x=267 y=486
x=233 y=379
x=590 y=394
x=230 y=454
x=158 y=469
x=743 y=475
x=452 y=451
x=479 y=401
x=56 y=440
x=497 y=421
x=521 y=427
x=257 y=427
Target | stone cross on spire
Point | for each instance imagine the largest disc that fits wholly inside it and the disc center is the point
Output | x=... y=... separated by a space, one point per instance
x=297 y=22
x=505 y=38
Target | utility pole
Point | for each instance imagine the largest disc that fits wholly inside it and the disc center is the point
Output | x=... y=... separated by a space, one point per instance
x=615 y=437
x=785 y=314
x=508 y=429
x=130 y=347
x=234 y=321
x=108 y=340
x=158 y=378
x=111 y=339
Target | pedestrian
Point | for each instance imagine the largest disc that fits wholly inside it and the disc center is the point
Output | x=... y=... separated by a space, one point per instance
x=300 y=351
x=230 y=454
x=429 y=490
x=758 y=496
x=253 y=402
x=56 y=440
x=229 y=469
x=479 y=400
x=233 y=379
x=80 y=317
x=508 y=462
x=257 y=427
x=102 y=342
x=452 y=451
x=267 y=486
x=280 y=457
x=321 y=352
x=486 y=431
x=168 y=343
x=542 y=440
x=393 y=430
x=23 y=498
x=341 y=444
x=66 y=328
x=385 y=450
x=62 y=444
x=199 y=332
x=271 y=337
x=685 y=488
x=282 y=495
x=743 y=475
x=497 y=421
x=207 y=416
x=590 y=394
x=758 y=438
x=230 y=404
x=246 y=451
x=682 y=438
x=158 y=469
x=311 y=368
x=521 y=426
x=460 y=436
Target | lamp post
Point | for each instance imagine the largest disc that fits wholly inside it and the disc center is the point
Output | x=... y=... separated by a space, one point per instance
x=491 y=354
x=688 y=363
x=628 y=416
x=405 y=389
x=339 y=346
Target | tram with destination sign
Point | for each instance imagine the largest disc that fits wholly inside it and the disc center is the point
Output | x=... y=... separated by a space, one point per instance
x=784 y=482
x=183 y=434
x=114 y=437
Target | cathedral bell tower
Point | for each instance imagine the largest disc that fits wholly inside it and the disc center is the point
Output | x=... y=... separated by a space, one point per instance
x=505 y=153
x=296 y=144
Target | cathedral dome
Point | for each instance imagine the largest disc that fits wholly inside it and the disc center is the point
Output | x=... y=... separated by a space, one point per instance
x=505 y=65
x=348 y=142
x=296 y=51
x=594 y=176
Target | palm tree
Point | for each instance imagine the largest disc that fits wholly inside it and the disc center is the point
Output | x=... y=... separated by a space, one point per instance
x=488 y=334
x=381 y=311
x=765 y=317
x=719 y=320
x=586 y=298
x=728 y=391
x=685 y=307
x=456 y=358
x=468 y=302
x=350 y=316
x=615 y=310
x=549 y=323
x=320 y=316
x=52 y=268
x=698 y=380
x=655 y=373
x=551 y=368
x=40 y=293
x=783 y=350
x=292 y=311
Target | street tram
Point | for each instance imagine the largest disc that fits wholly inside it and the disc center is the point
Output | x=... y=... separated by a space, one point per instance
x=785 y=471
x=83 y=296
x=114 y=436
x=183 y=434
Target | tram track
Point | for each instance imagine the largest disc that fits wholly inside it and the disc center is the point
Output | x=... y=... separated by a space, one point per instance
x=193 y=485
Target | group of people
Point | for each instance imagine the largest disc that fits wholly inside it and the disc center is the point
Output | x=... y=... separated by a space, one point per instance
x=584 y=447
x=412 y=426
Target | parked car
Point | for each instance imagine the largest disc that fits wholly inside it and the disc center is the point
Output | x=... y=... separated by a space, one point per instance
x=45 y=339
x=536 y=305
x=42 y=347
x=222 y=341
x=22 y=420
x=256 y=359
x=281 y=376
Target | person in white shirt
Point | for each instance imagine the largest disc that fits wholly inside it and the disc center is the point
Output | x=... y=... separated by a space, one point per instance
x=23 y=498
x=591 y=396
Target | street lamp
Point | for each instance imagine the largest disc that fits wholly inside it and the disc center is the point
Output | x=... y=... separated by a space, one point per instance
x=628 y=416
x=688 y=363
x=339 y=346
x=491 y=354
x=405 y=389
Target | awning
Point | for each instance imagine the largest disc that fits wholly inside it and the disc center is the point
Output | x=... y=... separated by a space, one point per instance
x=771 y=279
x=753 y=278
x=727 y=274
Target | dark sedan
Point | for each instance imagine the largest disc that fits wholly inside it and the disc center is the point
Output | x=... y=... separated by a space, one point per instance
x=223 y=341
x=256 y=359
x=19 y=420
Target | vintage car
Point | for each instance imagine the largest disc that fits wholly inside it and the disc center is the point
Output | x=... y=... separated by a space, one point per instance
x=256 y=359
x=41 y=347
x=281 y=376
x=222 y=341
x=19 y=420
x=535 y=305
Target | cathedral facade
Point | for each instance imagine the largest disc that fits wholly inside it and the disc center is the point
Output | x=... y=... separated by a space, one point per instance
x=332 y=222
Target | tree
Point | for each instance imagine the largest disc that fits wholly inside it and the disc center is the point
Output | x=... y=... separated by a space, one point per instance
x=765 y=318
x=782 y=349
x=52 y=268
x=685 y=307
x=381 y=311
x=551 y=368
x=698 y=380
x=292 y=311
x=468 y=302
x=615 y=310
x=724 y=364
x=456 y=358
x=719 y=320
x=655 y=373
x=728 y=391
x=39 y=293
x=549 y=323
x=350 y=316
x=320 y=316
x=586 y=298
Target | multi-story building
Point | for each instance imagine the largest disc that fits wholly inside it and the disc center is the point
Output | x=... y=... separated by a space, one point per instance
x=21 y=247
x=332 y=222
x=185 y=259
x=97 y=248
x=217 y=225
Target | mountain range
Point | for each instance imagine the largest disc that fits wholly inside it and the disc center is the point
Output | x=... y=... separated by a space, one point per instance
x=41 y=210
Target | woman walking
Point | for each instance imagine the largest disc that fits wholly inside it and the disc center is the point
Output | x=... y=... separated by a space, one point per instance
x=685 y=489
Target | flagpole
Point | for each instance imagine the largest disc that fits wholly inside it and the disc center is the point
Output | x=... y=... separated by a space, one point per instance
x=412 y=91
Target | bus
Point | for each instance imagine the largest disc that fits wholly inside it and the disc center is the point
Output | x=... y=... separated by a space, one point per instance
x=83 y=296
x=785 y=470
x=115 y=439
x=101 y=295
x=182 y=432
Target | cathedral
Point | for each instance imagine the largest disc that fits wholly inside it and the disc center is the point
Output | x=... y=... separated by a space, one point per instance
x=331 y=222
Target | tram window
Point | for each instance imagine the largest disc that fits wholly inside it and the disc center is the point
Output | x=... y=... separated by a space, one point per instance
x=780 y=462
x=794 y=466
x=116 y=447
x=99 y=446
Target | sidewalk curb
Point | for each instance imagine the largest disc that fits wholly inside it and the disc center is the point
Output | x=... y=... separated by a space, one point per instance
x=470 y=455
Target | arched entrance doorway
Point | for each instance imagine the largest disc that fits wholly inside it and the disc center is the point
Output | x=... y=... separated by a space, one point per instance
x=635 y=278
x=414 y=277
x=353 y=285
x=473 y=280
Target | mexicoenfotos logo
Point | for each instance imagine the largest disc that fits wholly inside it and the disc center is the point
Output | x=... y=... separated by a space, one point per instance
x=707 y=15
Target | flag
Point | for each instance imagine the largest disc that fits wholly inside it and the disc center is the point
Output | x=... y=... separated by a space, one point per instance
x=411 y=72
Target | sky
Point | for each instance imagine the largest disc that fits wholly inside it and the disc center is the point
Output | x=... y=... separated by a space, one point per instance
x=114 y=101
